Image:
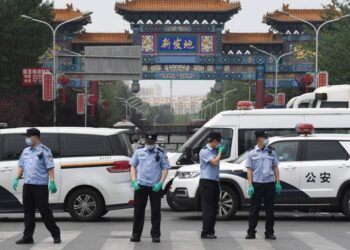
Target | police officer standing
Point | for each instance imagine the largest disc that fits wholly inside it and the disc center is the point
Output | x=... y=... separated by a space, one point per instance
x=209 y=185
x=264 y=181
x=149 y=169
x=36 y=164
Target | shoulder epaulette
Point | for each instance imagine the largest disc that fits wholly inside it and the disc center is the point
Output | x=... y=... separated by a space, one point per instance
x=160 y=149
x=251 y=149
x=142 y=146
x=45 y=147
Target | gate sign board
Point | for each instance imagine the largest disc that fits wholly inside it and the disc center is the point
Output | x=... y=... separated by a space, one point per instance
x=33 y=76
x=112 y=63
x=281 y=99
x=47 y=87
x=322 y=79
x=80 y=104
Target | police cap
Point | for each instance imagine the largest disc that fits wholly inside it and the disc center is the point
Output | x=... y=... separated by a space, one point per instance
x=32 y=132
x=261 y=133
x=151 y=136
x=214 y=136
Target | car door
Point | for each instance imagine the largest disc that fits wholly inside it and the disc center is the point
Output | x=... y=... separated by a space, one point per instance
x=322 y=170
x=289 y=167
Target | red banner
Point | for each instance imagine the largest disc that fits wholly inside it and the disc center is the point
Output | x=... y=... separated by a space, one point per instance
x=33 y=76
x=281 y=99
x=80 y=104
x=322 y=79
x=47 y=87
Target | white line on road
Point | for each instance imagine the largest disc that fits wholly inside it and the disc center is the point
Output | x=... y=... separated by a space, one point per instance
x=316 y=241
x=7 y=235
x=258 y=243
x=47 y=244
x=186 y=240
x=120 y=241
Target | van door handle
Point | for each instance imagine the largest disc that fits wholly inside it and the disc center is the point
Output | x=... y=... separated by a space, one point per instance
x=344 y=166
x=291 y=168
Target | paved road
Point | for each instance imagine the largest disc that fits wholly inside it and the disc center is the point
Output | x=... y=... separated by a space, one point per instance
x=182 y=231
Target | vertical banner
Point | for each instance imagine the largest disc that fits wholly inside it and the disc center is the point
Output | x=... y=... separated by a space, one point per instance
x=80 y=104
x=281 y=99
x=47 y=87
x=322 y=79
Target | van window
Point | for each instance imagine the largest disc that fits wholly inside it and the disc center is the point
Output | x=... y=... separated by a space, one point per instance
x=286 y=150
x=324 y=151
x=14 y=144
x=247 y=140
x=334 y=104
x=121 y=144
x=72 y=145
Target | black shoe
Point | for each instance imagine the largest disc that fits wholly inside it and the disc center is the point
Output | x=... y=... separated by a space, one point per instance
x=57 y=240
x=25 y=241
x=155 y=239
x=250 y=237
x=270 y=237
x=208 y=236
x=135 y=239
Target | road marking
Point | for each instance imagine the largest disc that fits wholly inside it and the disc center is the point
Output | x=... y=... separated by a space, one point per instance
x=316 y=241
x=47 y=244
x=258 y=243
x=186 y=240
x=120 y=241
x=7 y=235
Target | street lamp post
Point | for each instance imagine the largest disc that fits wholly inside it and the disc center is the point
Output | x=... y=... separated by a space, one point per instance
x=226 y=93
x=126 y=102
x=54 y=31
x=216 y=105
x=317 y=31
x=277 y=60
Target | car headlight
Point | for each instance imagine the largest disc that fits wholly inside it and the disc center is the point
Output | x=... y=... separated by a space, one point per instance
x=187 y=175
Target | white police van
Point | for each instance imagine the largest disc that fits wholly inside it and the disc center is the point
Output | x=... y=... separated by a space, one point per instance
x=92 y=172
x=237 y=128
x=314 y=169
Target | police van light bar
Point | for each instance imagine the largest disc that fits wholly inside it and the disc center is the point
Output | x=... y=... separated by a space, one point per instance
x=305 y=129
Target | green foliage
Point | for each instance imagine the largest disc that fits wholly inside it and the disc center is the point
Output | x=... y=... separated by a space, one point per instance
x=21 y=41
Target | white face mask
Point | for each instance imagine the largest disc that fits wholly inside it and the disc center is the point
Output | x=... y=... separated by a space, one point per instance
x=29 y=141
x=150 y=147
x=266 y=141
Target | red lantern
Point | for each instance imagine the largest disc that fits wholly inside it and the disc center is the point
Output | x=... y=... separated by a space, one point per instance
x=63 y=80
x=307 y=80
x=92 y=101
x=268 y=99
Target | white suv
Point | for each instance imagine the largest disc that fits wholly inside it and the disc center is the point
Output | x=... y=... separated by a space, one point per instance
x=91 y=170
x=315 y=175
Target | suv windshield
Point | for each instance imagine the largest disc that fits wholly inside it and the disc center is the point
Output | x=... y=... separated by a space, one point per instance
x=202 y=132
x=240 y=158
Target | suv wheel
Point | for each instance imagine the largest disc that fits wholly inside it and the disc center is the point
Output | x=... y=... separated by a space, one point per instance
x=346 y=204
x=228 y=203
x=85 y=204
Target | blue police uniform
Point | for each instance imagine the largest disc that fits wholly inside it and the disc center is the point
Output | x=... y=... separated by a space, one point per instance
x=262 y=163
x=36 y=161
x=209 y=188
x=149 y=166
x=208 y=172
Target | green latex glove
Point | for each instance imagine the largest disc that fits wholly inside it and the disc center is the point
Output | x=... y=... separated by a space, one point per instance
x=278 y=188
x=15 y=183
x=135 y=185
x=52 y=187
x=221 y=149
x=157 y=187
x=250 y=191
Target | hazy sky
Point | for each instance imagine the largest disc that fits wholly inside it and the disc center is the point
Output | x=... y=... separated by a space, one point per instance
x=104 y=19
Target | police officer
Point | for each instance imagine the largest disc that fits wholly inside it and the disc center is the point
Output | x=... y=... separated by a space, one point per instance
x=209 y=186
x=264 y=181
x=149 y=169
x=36 y=164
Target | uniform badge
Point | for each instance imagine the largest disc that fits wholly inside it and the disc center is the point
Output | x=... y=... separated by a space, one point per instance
x=40 y=155
x=50 y=157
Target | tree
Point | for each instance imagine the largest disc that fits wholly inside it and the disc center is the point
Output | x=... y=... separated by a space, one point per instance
x=334 y=54
x=21 y=42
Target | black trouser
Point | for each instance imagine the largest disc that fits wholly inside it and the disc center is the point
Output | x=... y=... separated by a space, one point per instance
x=140 y=203
x=210 y=193
x=264 y=191
x=37 y=196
